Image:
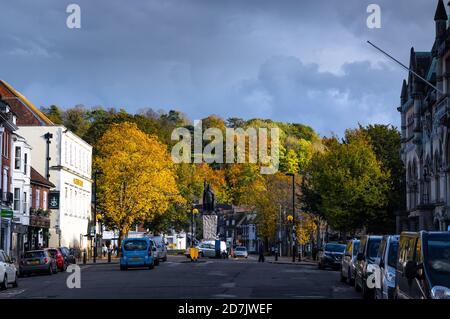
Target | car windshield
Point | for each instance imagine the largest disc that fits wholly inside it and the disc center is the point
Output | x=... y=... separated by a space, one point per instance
x=135 y=245
x=355 y=248
x=392 y=254
x=372 y=247
x=241 y=249
x=34 y=254
x=335 y=248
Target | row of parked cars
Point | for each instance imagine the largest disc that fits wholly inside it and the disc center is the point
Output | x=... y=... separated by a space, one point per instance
x=143 y=252
x=413 y=265
x=48 y=260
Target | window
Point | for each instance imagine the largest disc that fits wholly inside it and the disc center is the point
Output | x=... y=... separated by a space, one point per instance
x=44 y=199
x=25 y=201
x=25 y=163
x=66 y=152
x=16 y=199
x=37 y=199
x=17 y=157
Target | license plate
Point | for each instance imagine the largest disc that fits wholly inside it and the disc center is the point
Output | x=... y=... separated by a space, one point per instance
x=135 y=258
x=34 y=262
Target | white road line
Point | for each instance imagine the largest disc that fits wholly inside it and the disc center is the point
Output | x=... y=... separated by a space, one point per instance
x=224 y=296
x=11 y=293
x=228 y=285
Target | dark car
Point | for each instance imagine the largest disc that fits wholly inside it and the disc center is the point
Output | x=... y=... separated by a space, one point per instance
x=367 y=256
x=331 y=255
x=37 y=261
x=69 y=255
x=59 y=258
x=423 y=266
x=348 y=263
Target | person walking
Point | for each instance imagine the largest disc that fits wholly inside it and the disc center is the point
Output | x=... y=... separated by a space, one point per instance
x=261 y=252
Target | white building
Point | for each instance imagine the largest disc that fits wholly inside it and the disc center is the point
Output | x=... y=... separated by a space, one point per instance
x=21 y=190
x=65 y=160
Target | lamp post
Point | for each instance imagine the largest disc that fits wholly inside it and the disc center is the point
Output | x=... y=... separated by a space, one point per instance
x=194 y=213
x=293 y=214
x=96 y=172
x=290 y=220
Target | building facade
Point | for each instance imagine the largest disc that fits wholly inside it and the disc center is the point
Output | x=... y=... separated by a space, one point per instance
x=65 y=160
x=425 y=123
x=21 y=190
x=7 y=129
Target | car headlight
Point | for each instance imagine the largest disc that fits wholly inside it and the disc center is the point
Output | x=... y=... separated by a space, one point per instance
x=390 y=276
x=440 y=292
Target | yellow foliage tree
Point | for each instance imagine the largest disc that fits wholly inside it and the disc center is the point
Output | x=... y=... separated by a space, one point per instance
x=138 y=179
x=306 y=229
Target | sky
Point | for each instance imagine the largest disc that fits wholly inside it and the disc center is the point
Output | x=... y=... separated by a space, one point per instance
x=300 y=61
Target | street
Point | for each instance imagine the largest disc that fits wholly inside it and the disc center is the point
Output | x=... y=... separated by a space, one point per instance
x=179 y=278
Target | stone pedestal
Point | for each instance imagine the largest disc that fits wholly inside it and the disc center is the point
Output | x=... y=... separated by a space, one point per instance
x=209 y=227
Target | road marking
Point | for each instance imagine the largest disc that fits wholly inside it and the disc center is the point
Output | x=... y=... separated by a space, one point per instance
x=228 y=285
x=11 y=293
x=216 y=273
x=224 y=296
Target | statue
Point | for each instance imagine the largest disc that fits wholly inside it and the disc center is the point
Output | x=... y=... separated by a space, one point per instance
x=208 y=200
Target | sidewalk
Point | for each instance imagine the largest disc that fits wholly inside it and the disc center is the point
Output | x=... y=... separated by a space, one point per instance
x=99 y=261
x=288 y=261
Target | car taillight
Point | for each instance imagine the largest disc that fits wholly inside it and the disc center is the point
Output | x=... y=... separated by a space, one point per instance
x=45 y=260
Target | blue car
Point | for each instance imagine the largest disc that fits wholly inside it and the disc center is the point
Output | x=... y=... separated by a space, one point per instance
x=137 y=252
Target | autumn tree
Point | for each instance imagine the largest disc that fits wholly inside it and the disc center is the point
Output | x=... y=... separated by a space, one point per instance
x=138 y=181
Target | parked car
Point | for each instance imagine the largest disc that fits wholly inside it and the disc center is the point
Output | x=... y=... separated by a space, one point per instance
x=331 y=255
x=161 y=247
x=208 y=248
x=59 y=258
x=367 y=254
x=387 y=261
x=8 y=271
x=37 y=261
x=240 y=251
x=423 y=265
x=68 y=255
x=348 y=263
x=138 y=252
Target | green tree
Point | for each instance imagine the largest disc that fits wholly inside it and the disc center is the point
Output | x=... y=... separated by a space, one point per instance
x=53 y=113
x=350 y=181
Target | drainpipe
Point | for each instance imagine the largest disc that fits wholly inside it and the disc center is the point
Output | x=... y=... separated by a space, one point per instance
x=48 y=136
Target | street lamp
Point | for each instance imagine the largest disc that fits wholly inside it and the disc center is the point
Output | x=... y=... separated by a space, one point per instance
x=96 y=172
x=293 y=214
x=194 y=213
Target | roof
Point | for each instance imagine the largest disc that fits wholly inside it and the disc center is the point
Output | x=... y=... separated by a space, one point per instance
x=39 y=179
x=441 y=13
x=30 y=105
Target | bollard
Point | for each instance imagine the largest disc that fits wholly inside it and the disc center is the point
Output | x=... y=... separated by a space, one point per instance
x=84 y=257
x=109 y=256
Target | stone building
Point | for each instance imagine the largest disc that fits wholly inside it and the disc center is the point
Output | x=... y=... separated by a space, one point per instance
x=425 y=126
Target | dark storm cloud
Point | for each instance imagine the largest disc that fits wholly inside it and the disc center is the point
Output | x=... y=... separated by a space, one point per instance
x=304 y=61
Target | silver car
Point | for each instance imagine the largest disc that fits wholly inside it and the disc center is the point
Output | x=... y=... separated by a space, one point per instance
x=386 y=261
x=349 y=261
x=161 y=248
x=37 y=261
x=241 y=251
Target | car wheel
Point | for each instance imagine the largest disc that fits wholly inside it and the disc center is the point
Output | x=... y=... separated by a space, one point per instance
x=342 y=277
x=50 y=270
x=349 y=277
x=151 y=266
x=165 y=258
x=357 y=287
x=4 y=284
x=156 y=262
x=15 y=284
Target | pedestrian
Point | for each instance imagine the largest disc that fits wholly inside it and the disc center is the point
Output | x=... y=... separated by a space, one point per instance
x=104 y=250
x=261 y=252
x=115 y=249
